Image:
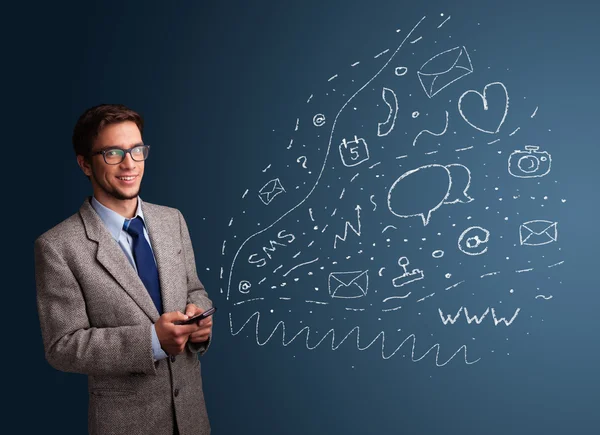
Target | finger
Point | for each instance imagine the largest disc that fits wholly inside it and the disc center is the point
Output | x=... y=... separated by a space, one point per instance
x=205 y=322
x=174 y=315
x=185 y=329
x=199 y=338
x=192 y=309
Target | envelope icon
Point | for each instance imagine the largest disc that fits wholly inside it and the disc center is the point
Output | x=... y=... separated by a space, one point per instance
x=443 y=69
x=270 y=190
x=538 y=232
x=348 y=285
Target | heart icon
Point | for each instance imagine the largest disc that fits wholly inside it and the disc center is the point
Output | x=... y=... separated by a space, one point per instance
x=483 y=97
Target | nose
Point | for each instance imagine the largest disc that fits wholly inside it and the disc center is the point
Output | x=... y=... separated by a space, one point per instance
x=128 y=161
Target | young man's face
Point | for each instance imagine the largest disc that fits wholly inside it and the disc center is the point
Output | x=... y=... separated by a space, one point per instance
x=120 y=182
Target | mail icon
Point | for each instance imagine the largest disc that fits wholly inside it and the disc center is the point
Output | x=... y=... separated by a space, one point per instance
x=538 y=232
x=443 y=69
x=270 y=190
x=348 y=285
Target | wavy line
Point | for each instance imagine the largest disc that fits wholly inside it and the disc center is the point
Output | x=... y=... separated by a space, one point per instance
x=335 y=346
x=431 y=132
x=326 y=155
x=397 y=297
x=542 y=296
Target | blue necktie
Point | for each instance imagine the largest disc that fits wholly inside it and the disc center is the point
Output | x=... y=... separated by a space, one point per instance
x=144 y=260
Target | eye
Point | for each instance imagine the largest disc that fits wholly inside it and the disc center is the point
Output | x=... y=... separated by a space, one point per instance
x=112 y=153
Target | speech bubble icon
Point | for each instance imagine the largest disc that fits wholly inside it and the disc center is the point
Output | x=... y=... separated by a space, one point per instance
x=405 y=198
x=460 y=181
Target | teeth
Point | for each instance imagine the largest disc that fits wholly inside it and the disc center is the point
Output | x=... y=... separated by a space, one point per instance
x=126 y=178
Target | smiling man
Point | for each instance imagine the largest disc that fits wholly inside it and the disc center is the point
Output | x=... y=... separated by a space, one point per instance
x=113 y=281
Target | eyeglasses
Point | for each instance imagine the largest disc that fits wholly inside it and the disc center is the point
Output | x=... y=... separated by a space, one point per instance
x=115 y=155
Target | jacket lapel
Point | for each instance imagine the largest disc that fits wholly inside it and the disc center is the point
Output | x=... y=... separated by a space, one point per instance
x=111 y=256
x=166 y=253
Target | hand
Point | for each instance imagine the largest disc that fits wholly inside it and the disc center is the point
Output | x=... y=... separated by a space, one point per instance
x=205 y=325
x=173 y=337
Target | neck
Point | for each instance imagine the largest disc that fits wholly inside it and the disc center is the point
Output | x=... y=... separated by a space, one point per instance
x=125 y=207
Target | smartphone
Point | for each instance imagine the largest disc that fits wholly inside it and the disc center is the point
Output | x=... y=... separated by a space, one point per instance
x=194 y=319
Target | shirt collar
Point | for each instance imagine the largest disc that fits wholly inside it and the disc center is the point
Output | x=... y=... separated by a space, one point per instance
x=114 y=221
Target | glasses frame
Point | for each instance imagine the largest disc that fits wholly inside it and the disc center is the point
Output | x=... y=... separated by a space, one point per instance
x=125 y=152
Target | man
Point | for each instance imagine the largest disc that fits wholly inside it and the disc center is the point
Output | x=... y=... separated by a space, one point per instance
x=112 y=280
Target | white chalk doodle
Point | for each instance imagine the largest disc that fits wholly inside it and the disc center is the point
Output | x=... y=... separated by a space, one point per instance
x=534 y=112
x=543 y=297
x=373 y=202
x=484 y=99
x=244 y=286
x=472 y=244
x=437 y=253
x=302 y=159
x=349 y=225
x=335 y=345
x=407 y=277
x=348 y=285
x=455 y=64
x=538 y=232
x=400 y=71
x=300 y=265
x=354 y=152
x=447 y=319
x=452 y=195
x=270 y=190
x=454 y=285
x=319 y=119
x=431 y=132
x=444 y=22
x=530 y=163
x=381 y=54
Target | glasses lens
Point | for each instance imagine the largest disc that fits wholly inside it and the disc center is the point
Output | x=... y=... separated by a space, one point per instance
x=113 y=157
x=139 y=153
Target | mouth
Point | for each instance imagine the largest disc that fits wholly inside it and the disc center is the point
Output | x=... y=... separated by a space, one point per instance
x=129 y=179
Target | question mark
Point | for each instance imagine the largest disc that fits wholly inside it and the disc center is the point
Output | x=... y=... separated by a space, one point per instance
x=303 y=161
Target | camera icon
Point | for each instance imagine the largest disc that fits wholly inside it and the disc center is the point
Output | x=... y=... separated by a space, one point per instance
x=530 y=163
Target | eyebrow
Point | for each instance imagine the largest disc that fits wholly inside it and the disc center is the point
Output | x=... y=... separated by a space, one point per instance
x=110 y=147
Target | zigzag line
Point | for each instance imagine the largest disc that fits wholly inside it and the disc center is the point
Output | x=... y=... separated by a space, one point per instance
x=334 y=346
x=348 y=225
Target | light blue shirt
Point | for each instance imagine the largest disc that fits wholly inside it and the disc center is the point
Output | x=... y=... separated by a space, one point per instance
x=114 y=223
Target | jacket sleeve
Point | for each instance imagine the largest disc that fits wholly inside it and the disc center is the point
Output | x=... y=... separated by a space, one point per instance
x=70 y=343
x=197 y=294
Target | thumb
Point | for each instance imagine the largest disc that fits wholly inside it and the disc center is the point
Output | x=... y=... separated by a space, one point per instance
x=176 y=315
x=190 y=310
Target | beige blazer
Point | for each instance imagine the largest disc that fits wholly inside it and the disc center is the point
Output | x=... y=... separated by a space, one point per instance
x=96 y=317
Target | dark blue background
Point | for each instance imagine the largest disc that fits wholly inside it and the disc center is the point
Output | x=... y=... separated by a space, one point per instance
x=220 y=86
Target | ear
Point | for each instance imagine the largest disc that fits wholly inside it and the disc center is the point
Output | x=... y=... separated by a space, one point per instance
x=85 y=165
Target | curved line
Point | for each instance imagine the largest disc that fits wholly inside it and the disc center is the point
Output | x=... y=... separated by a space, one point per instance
x=431 y=132
x=301 y=264
x=324 y=162
x=397 y=297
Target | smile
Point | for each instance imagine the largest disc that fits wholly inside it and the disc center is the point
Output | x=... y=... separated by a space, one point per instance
x=127 y=178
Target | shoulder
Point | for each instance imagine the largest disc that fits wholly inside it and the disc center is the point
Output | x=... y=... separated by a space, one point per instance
x=70 y=229
x=162 y=211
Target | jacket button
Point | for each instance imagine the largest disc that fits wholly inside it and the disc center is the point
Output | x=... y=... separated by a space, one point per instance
x=172 y=358
x=176 y=392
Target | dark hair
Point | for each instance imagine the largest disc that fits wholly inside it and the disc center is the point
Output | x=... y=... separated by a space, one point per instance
x=94 y=119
